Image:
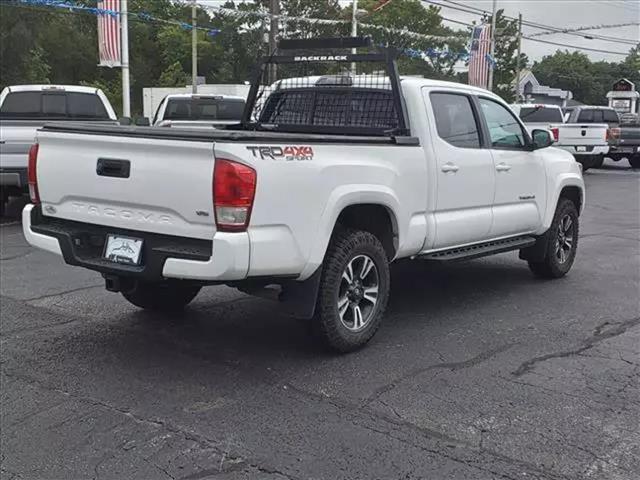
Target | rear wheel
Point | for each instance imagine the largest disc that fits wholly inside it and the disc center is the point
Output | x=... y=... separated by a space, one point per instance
x=162 y=296
x=634 y=160
x=354 y=289
x=562 y=244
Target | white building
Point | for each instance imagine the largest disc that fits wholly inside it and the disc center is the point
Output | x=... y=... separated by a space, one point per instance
x=530 y=91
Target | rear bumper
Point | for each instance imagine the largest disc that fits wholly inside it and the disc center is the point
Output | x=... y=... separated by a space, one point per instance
x=623 y=149
x=588 y=149
x=163 y=256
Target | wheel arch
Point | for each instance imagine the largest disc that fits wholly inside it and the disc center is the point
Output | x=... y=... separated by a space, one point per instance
x=356 y=206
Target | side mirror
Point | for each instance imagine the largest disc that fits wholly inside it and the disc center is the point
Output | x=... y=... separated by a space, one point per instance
x=126 y=121
x=143 y=122
x=541 y=139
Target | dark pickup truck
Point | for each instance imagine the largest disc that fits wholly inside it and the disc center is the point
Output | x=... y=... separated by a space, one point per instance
x=624 y=142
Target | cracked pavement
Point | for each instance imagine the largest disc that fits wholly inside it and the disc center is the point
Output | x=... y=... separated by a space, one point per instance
x=480 y=371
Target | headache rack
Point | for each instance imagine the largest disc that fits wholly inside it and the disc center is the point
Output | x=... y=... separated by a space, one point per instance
x=343 y=86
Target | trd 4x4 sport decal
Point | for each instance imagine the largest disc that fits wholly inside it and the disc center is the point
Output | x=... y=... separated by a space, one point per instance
x=288 y=153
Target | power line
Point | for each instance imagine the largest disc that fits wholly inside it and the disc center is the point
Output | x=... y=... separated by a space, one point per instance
x=549 y=29
x=575 y=47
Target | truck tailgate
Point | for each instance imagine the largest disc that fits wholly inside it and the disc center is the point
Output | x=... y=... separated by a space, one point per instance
x=576 y=134
x=167 y=188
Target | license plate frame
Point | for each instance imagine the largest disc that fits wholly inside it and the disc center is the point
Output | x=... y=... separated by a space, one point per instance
x=123 y=249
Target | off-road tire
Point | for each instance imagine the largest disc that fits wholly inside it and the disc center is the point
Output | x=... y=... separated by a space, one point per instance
x=162 y=296
x=634 y=160
x=551 y=266
x=345 y=246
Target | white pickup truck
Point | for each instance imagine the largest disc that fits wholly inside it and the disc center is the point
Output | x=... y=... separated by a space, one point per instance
x=25 y=108
x=585 y=140
x=329 y=180
x=199 y=111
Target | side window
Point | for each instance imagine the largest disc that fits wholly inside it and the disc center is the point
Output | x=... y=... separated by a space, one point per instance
x=504 y=129
x=455 y=120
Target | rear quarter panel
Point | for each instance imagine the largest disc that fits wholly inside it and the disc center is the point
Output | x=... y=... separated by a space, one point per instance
x=299 y=200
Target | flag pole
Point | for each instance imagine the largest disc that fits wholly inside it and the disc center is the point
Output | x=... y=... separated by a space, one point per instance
x=194 y=48
x=492 y=47
x=124 y=26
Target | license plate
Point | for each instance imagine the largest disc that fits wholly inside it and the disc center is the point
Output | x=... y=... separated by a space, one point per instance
x=124 y=250
x=581 y=149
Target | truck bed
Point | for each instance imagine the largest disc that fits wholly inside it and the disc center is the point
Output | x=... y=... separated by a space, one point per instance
x=230 y=134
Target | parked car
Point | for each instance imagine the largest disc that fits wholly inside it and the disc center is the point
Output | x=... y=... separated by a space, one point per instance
x=320 y=188
x=539 y=116
x=587 y=136
x=587 y=143
x=624 y=141
x=25 y=108
x=199 y=111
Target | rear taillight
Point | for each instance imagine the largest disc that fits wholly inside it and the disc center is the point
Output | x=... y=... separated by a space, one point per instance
x=32 y=174
x=234 y=188
x=613 y=134
x=556 y=133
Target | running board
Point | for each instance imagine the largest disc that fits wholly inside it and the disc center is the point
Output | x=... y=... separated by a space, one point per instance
x=481 y=249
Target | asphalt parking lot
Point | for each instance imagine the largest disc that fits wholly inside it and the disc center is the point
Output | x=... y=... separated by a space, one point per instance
x=479 y=372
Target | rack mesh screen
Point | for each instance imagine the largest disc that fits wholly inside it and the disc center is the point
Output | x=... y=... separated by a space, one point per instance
x=326 y=92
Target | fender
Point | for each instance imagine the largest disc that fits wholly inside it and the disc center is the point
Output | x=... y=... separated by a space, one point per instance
x=560 y=182
x=345 y=196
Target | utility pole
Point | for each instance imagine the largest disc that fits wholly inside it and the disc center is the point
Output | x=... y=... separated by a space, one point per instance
x=492 y=47
x=124 y=36
x=354 y=32
x=274 y=10
x=194 y=48
x=517 y=82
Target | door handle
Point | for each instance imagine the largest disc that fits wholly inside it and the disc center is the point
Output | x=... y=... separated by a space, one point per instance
x=450 y=167
x=503 y=167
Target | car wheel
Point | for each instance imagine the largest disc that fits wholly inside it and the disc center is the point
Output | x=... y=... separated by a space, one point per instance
x=562 y=243
x=354 y=290
x=162 y=296
x=634 y=161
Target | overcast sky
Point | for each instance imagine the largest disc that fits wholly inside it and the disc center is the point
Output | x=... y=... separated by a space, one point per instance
x=555 y=13
x=564 y=14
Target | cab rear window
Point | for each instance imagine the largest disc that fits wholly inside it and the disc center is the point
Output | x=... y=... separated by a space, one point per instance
x=335 y=107
x=53 y=105
x=204 y=108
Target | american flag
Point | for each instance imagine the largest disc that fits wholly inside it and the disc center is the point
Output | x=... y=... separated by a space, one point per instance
x=109 y=33
x=478 y=58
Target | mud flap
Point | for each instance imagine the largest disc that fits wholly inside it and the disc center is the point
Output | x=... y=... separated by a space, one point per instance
x=299 y=298
x=538 y=251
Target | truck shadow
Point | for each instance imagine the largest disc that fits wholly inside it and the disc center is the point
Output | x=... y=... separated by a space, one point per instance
x=252 y=333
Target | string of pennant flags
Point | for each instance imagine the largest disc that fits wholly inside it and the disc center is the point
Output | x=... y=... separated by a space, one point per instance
x=143 y=16
x=431 y=53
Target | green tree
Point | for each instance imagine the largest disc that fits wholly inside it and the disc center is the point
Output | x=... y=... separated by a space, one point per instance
x=173 y=76
x=589 y=81
x=413 y=16
x=37 y=68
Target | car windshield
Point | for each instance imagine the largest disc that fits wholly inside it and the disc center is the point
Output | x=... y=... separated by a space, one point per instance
x=540 y=115
x=204 y=108
x=53 y=105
